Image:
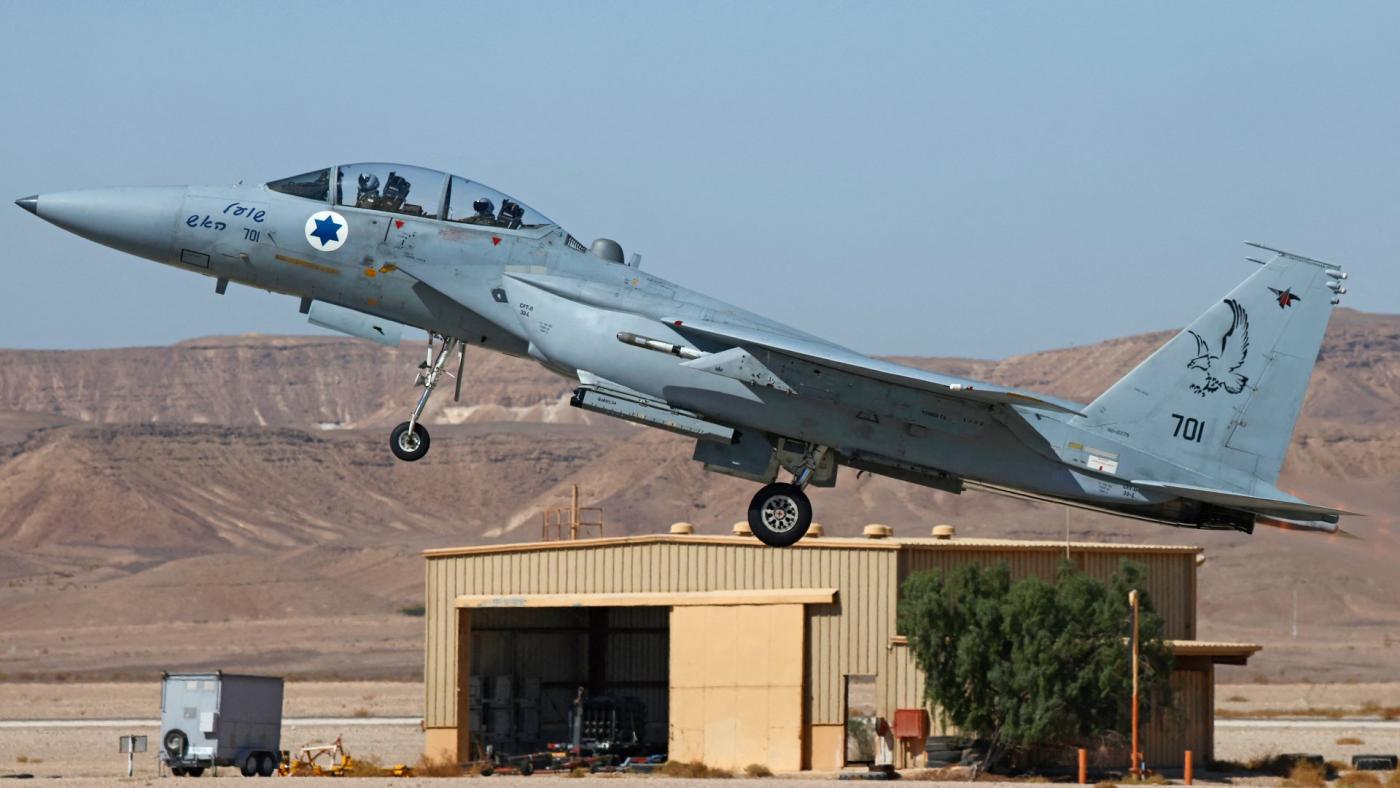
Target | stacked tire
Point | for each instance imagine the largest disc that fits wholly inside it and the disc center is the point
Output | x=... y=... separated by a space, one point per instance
x=940 y=751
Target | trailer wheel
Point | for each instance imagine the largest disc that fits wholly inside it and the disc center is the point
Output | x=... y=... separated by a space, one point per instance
x=526 y=769
x=266 y=766
x=178 y=771
x=175 y=743
x=195 y=771
x=250 y=766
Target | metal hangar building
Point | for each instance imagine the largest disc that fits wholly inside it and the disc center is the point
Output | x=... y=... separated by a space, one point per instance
x=719 y=649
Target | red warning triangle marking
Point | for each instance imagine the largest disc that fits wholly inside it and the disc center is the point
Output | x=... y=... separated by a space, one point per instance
x=495 y=240
x=398 y=223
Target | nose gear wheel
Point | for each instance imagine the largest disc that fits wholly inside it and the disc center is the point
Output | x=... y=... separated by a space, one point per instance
x=409 y=440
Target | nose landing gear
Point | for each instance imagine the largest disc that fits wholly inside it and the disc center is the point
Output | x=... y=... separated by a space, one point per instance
x=409 y=440
x=780 y=513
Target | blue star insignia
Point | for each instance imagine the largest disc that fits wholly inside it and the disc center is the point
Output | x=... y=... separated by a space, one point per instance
x=327 y=230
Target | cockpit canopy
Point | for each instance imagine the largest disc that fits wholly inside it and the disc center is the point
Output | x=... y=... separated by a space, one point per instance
x=414 y=191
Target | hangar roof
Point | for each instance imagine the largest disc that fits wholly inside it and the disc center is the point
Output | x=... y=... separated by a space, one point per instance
x=824 y=542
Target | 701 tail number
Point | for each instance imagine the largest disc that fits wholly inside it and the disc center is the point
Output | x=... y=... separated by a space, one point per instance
x=1188 y=429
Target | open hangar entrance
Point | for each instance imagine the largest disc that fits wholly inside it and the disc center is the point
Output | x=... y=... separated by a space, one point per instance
x=528 y=665
x=717 y=677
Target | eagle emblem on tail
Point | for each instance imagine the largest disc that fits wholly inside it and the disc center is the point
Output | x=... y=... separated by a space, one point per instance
x=1221 y=367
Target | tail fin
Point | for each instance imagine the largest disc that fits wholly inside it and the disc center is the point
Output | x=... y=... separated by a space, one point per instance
x=1222 y=396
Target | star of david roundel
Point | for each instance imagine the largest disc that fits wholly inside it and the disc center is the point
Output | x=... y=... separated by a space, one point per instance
x=327 y=231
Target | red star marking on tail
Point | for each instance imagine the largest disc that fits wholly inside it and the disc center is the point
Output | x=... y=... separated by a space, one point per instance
x=1285 y=297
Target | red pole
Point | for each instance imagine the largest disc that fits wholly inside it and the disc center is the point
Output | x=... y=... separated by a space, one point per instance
x=1187 y=779
x=1083 y=766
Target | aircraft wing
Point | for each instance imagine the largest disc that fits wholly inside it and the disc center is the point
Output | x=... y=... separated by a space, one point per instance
x=1269 y=507
x=851 y=362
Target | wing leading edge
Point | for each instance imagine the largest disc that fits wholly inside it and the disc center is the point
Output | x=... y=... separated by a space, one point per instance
x=854 y=363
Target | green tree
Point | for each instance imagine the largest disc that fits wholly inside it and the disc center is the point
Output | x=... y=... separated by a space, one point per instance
x=1030 y=663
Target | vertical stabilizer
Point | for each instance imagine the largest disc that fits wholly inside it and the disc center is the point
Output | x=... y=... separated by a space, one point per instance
x=1221 y=397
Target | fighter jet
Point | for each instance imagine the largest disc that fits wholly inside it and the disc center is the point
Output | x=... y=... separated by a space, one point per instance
x=1194 y=436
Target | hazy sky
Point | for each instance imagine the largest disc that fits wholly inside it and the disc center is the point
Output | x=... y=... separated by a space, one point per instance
x=977 y=179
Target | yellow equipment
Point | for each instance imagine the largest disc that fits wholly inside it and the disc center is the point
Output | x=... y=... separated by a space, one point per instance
x=337 y=763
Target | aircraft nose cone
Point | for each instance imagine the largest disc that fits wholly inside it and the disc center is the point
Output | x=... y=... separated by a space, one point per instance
x=138 y=220
x=30 y=203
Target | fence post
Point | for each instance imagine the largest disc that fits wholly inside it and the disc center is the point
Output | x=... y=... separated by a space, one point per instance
x=1187 y=776
x=1083 y=766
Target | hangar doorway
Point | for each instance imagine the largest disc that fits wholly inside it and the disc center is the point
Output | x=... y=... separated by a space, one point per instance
x=718 y=677
x=528 y=666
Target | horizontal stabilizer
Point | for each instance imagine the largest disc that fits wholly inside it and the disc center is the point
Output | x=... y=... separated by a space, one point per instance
x=1268 y=507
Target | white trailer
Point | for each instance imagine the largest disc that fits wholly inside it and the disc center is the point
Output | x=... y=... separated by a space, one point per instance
x=220 y=719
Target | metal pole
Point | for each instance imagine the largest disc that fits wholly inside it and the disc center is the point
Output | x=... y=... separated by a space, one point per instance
x=1188 y=775
x=130 y=756
x=573 y=515
x=1295 y=612
x=1137 y=756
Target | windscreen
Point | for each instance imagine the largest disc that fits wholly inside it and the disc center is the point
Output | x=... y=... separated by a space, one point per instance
x=314 y=185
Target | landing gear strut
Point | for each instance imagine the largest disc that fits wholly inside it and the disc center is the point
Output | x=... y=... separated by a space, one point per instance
x=409 y=440
x=780 y=513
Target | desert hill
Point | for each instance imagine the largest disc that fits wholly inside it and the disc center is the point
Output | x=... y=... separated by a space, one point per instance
x=232 y=501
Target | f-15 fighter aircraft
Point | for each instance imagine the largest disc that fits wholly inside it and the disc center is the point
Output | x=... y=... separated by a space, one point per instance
x=1194 y=436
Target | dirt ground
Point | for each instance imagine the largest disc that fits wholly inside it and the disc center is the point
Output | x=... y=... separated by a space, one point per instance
x=1299 y=697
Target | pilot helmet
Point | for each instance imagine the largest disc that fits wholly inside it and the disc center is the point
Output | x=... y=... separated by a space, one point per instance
x=369 y=181
x=483 y=206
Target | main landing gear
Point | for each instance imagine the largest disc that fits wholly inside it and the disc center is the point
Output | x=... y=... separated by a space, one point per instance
x=409 y=440
x=780 y=513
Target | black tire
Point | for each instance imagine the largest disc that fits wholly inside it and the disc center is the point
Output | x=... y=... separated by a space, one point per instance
x=249 y=767
x=178 y=771
x=266 y=766
x=488 y=770
x=194 y=771
x=780 y=514
x=527 y=769
x=175 y=744
x=409 y=447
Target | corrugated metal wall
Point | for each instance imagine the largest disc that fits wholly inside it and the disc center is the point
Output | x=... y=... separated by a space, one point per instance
x=850 y=636
x=1189 y=723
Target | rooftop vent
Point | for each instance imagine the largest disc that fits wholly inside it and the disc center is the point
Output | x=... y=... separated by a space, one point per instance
x=877 y=531
x=944 y=531
x=741 y=528
x=682 y=528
